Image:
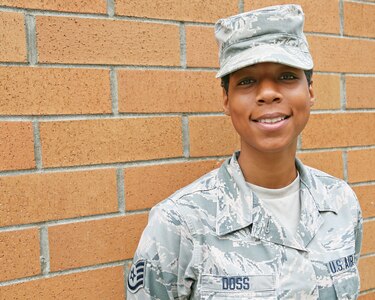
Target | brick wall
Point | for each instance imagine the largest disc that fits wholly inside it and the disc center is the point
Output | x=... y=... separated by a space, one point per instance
x=107 y=107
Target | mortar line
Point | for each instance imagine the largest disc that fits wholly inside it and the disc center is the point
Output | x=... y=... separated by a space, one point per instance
x=72 y=220
x=366 y=292
x=186 y=136
x=343 y=92
x=123 y=116
x=363 y=183
x=361 y=2
x=44 y=250
x=138 y=163
x=37 y=145
x=156 y=161
x=123 y=66
x=111 y=8
x=144 y=67
x=98 y=266
x=340 y=111
x=120 y=190
x=241 y=6
x=183 y=45
x=114 y=91
x=32 y=54
x=345 y=164
x=99 y=16
x=299 y=142
x=341 y=15
x=331 y=149
x=126 y=116
x=333 y=35
x=125 y=274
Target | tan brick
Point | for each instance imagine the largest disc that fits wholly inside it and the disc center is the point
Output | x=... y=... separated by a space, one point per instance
x=68 y=143
x=359 y=19
x=339 y=130
x=43 y=197
x=201 y=47
x=12 y=37
x=361 y=163
x=368 y=243
x=106 y=283
x=19 y=254
x=94 y=242
x=329 y=162
x=366 y=269
x=193 y=10
x=212 y=136
x=320 y=15
x=160 y=181
x=96 y=41
x=360 y=92
x=44 y=91
x=342 y=54
x=370 y=296
x=82 y=6
x=366 y=196
x=327 y=91
x=148 y=91
x=16 y=146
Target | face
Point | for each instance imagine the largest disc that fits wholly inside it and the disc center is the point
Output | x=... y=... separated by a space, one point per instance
x=269 y=104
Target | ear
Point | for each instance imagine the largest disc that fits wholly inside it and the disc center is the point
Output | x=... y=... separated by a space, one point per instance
x=311 y=92
x=226 y=103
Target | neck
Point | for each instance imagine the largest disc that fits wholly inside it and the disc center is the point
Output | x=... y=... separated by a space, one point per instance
x=270 y=170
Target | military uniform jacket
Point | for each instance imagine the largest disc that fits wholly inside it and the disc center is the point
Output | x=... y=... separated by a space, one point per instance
x=214 y=240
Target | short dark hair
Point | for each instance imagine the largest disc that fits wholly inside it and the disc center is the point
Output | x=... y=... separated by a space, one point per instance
x=225 y=79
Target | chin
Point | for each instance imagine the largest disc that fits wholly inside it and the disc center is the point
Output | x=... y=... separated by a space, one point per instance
x=273 y=146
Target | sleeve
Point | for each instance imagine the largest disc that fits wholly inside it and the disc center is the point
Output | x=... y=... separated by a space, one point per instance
x=162 y=267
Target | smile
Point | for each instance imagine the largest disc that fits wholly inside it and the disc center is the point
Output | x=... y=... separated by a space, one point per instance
x=271 y=121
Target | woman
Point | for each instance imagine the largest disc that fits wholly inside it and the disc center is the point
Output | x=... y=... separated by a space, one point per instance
x=263 y=225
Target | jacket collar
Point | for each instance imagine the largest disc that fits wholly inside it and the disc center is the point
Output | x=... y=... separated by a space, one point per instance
x=238 y=207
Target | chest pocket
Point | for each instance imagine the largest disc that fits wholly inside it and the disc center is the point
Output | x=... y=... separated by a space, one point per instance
x=345 y=277
x=239 y=287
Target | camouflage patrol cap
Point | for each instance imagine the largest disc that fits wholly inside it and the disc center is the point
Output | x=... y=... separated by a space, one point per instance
x=270 y=34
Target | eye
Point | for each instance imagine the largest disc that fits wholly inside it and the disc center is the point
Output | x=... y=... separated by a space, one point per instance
x=288 y=76
x=246 y=81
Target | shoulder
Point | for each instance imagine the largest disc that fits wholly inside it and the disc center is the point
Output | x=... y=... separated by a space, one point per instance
x=328 y=182
x=201 y=187
x=194 y=200
x=332 y=192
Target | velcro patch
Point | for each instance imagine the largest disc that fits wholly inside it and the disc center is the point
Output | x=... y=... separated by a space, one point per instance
x=136 y=278
x=341 y=264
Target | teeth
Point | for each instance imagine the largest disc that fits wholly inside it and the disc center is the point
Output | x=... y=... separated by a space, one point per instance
x=271 y=121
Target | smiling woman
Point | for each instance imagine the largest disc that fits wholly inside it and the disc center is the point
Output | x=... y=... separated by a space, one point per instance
x=263 y=225
x=269 y=105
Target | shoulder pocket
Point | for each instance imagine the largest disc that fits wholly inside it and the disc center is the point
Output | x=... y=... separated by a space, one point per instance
x=239 y=287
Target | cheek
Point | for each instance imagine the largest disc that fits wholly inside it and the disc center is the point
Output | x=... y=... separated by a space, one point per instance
x=241 y=104
x=302 y=110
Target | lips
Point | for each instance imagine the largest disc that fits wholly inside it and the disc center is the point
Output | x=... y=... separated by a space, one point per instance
x=271 y=118
x=271 y=121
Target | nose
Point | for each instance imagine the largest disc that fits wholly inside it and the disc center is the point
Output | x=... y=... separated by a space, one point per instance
x=268 y=92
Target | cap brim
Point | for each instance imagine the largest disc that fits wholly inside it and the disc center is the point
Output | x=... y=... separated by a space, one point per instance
x=290 y=56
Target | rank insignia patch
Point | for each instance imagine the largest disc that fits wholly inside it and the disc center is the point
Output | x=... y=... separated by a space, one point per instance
x=136 y=276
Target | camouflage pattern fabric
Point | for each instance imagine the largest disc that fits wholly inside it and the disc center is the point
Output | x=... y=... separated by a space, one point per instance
x=271 y=34
x=214 y=240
